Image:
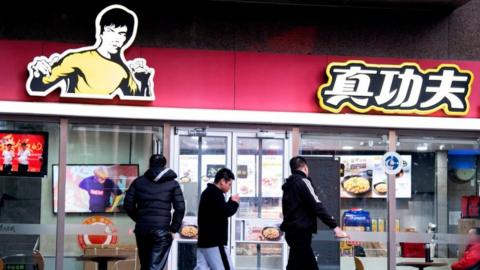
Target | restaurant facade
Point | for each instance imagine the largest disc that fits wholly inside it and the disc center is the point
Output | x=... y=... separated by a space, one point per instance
x=250 y=100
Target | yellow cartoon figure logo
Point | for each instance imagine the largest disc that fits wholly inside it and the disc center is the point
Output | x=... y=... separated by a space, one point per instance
x=98 y=71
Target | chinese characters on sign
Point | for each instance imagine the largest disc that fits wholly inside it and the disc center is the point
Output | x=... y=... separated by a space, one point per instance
x=402 y=89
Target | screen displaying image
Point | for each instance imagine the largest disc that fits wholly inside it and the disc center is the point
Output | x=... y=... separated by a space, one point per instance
x=23 y=153
x=95 y=188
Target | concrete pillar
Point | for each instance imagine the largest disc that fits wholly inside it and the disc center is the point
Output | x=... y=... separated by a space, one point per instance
x=441 y=198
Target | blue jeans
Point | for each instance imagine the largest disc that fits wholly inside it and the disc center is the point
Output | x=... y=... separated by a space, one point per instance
x=215 y=258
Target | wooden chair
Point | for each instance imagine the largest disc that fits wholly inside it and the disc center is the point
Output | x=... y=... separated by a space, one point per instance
x=358 y=264
x=38 y=259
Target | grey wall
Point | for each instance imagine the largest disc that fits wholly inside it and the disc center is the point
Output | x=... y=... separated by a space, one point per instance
x=266 y=28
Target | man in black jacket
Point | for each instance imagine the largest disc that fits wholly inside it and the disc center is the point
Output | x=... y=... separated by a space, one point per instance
x=301 y=207
x=213 y=214
x=149 y=202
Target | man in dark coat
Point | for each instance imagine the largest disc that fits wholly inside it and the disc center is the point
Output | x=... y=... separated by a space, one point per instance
x=213 y=215
x=301 y=208
x=149 y=202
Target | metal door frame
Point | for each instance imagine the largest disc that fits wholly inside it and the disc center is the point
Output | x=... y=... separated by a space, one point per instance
x=287 y=150
x=174 y=155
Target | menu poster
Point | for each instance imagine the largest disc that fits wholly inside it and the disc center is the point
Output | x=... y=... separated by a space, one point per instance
x=272 y=175
x=262 y=230
x=210 y=165
x=213 y=169
x=242 y=171
x=247 y=164
x=188 y=168
x=365 y=177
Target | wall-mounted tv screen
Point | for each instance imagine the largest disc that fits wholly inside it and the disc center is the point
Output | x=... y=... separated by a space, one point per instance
x=23 y=153
x=98 y=188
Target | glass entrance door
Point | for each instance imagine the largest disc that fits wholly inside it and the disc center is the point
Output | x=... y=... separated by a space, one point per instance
x=259 y=162
x=196 y=157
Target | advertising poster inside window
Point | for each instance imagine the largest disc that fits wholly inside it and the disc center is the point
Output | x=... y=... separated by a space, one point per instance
x=364 y=176
x=272 y=176
x=210 y=165
x=188 y=168
x=246 y=175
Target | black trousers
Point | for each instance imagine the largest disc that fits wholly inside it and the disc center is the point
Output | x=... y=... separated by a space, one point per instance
x=153 y=248
x=7 y=168
x=22 y=168
x=301 y=255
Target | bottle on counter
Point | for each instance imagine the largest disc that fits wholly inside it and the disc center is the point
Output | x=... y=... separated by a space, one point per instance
x=381 y=225
x=433 y=247
x=428 y=258
x=374 y=225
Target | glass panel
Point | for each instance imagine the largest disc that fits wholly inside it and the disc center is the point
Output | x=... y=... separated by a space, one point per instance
x=27 y=221
x=187 y=256
x=103 y=160
x=207 y=153
x=271 y=178
x=188 y=163
x=259 y=256
x=247 y=175
x=214 y=157
x=260 y=167
x=347 y=175
x=199 y=160
x=444 y=173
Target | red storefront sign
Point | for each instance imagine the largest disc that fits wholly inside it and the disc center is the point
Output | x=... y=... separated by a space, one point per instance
x=218 y=79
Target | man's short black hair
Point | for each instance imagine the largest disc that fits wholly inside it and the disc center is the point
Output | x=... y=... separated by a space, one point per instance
x=9 y=144
x=157 y=161
x=24 y=144
x=224 y=173
x=297 y=163
x=118 y=17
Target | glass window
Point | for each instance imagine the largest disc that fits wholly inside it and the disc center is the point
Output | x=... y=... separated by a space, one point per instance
x=444 y=174
x=346 y=173
x=198 y=161
x=102 y=161
x=27 y=220
x=260 y=175
x=198 y=157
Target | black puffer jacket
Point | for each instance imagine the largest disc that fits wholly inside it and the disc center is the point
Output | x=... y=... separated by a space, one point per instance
x=150 y=198
x=301 y=206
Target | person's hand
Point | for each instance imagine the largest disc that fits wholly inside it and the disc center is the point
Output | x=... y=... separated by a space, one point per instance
x=353 y=243
x=236 y=198
x=111 y=209
x=140 y=70
x=339 y=233
x=43 y=66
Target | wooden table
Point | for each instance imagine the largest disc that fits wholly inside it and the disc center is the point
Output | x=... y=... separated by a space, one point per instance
x=422 y=265
x=102 y=260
